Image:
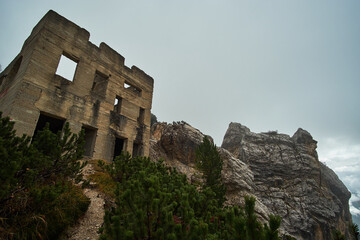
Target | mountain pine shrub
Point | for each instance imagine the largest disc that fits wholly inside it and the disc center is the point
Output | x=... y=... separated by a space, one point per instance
x=156 y=202
x=208 y=161
x=354 y=229
x=37 y=198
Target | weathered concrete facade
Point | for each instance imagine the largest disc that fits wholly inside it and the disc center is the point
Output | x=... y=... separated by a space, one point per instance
x=109 y=100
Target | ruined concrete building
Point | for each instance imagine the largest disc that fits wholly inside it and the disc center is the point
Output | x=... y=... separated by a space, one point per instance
x=110 y=101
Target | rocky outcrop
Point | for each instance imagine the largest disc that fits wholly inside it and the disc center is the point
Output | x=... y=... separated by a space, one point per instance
x=176 y=143
x=291 y=181
x=282 y=172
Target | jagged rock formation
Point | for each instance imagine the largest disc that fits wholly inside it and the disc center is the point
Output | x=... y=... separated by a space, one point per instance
x=176 y=143
x=291 y=181
x=282 y=172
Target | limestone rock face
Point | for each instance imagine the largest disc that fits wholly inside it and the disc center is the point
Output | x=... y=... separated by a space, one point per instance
x=172 y=136
x=291 y=181
x=176 y=144
x=282 y=172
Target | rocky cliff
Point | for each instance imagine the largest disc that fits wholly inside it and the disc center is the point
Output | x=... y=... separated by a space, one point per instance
x=282 y=172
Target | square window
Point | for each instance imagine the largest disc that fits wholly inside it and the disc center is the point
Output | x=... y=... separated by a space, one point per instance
x=131 y=88
x=66 y=68
x=100 y=83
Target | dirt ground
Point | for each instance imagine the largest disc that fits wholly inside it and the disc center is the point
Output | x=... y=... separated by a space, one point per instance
x=88 y=225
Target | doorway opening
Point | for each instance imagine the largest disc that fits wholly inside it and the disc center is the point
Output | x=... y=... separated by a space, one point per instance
x=119 y=146
x=90 y=138
x=55 y=123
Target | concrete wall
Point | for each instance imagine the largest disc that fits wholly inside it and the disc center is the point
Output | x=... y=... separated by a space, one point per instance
x=29 y=86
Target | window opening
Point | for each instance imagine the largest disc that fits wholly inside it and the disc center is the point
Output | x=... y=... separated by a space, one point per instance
x=55 y=124
x=117 y=104
x=119 y=146
x=141 y=116
x=66 y=67
x=137 y=148
x=100 y=83
x=132 y=88
x=90 y=138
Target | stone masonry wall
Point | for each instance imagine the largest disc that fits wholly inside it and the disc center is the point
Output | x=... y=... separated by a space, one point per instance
x=30 y=89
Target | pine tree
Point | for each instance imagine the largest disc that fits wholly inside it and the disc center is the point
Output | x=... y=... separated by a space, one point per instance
x=208 y=161
x=337 y=235
x=153 y=119
x=253 y=226
x=271 y=232
x=37 y=200
x=354 y=228
x=13 y=156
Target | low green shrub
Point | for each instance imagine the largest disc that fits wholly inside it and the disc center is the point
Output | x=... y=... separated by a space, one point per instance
x=43 y=212
x=37 y=197
x=156 y=202
x=104 y=183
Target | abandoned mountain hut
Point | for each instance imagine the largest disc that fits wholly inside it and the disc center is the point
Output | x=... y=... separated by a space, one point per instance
x=110 y=101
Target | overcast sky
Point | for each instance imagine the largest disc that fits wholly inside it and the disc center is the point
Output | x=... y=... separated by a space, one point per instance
x=270 y=65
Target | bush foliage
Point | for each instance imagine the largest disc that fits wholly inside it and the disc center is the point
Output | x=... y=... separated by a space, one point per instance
x=156 y=202
x=354 y=229
x=37 y=199
x=153 y=119
x=208 y=161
